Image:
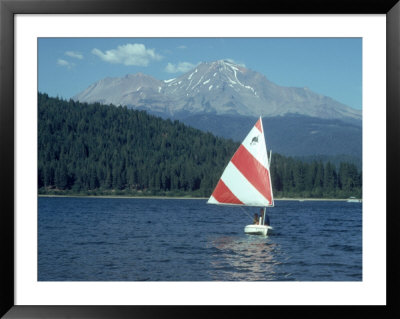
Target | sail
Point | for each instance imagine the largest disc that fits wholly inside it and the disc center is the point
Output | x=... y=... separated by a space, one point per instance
x=246 y=180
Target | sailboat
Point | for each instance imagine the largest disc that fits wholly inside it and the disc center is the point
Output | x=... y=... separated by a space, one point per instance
x=246 y=180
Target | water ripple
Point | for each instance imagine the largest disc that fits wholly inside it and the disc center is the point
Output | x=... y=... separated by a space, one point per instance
x=93 y=239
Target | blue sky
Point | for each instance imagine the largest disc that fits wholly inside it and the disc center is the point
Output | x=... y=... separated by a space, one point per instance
x=328 y=66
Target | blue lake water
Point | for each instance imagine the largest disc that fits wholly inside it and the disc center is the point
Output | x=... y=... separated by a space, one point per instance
x=123 y=239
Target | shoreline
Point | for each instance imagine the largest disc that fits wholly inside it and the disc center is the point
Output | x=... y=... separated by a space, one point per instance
x=122 y=196
x=181 y=197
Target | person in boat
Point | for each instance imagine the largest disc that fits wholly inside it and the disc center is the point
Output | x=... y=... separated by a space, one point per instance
x=255 y=221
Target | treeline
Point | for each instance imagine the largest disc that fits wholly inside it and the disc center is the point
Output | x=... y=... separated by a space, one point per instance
x=97 y=149
x=294 y=178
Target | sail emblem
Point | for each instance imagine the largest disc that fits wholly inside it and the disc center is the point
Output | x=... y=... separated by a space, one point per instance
x=254 y=140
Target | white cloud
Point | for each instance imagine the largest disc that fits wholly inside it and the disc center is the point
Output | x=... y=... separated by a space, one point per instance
x=75 y=55
x=180 y=67
x=65 y=63
x=128 y=54
x=182 y=47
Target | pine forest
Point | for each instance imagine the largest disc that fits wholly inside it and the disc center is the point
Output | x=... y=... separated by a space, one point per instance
x=94 y=149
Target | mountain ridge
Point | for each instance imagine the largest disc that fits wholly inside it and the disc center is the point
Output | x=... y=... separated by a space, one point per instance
x=219 y=87
x=224 y=98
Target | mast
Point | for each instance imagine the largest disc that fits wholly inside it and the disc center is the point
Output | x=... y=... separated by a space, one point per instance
x=265 y=211
x=269 y=166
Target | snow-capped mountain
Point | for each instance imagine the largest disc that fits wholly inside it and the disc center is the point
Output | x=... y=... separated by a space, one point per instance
x=221 y=88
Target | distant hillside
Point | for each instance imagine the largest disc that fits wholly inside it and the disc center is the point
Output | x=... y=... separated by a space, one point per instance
x=86 y=147
x=103 y=149
x=291 y=135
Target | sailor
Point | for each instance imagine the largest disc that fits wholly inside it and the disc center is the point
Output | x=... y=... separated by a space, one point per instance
x=255 y=221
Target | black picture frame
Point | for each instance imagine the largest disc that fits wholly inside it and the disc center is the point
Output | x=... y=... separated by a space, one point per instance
x=8 y=10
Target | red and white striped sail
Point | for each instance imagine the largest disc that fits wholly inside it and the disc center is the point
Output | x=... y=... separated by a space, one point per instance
x=246 y=180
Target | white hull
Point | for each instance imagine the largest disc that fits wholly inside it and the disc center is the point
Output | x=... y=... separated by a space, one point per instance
x=257 y=229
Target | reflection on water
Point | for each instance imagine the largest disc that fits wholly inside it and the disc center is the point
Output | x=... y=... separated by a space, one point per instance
x=246 y=258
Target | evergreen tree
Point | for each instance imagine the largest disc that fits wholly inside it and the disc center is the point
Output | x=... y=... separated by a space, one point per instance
x=330 y=180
